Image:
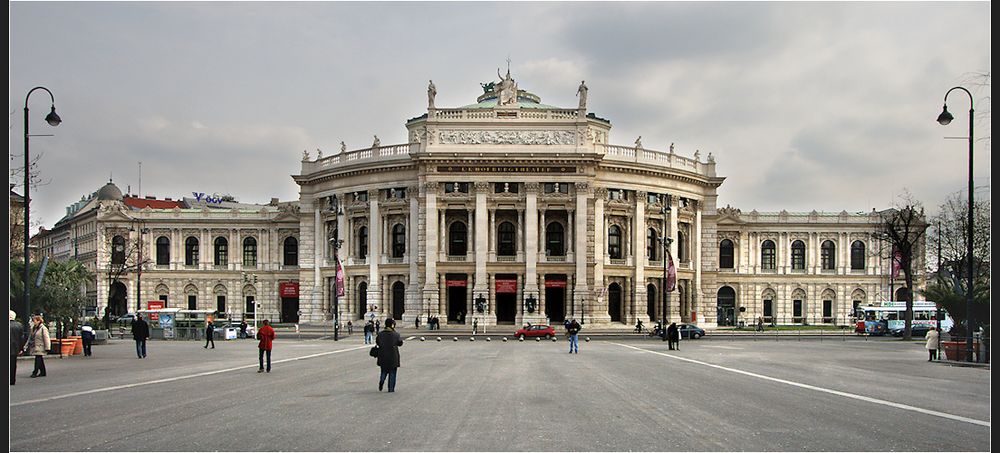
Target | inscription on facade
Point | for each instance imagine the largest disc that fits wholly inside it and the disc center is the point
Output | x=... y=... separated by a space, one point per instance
x=455 y=137
x=504 y=169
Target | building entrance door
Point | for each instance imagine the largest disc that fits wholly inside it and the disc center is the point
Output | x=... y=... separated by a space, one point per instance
x=290 y=309
x=555 y=304
x=506 y=308
x=615 y=302
x=398 y=300
x=726 y=311
x=456 y=303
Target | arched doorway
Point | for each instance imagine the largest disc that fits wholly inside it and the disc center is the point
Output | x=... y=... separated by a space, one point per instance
x=362 y=299
x=726 y=306
x=398 y=300
x=117 y=299
x=615 y=302
x=651 y=301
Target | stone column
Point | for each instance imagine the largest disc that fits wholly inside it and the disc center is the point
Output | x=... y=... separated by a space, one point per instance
x=470 y=235
x=581 y=291
x=541 y=237
x=492 y=235
x=674 y=213
x=415 y=302
x=374 y=250
x=531 y=238
x=482 y=241
x=431 y=290
x=696 y=290
x=639 y=262
x=600 y=230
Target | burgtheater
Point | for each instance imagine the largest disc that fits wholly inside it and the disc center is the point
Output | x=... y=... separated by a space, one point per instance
x=505 y=211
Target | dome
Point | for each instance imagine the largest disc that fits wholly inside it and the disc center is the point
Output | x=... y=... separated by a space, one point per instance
x=109 y=192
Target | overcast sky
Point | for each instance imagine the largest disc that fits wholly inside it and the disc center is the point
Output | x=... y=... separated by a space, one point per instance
x=826 y=106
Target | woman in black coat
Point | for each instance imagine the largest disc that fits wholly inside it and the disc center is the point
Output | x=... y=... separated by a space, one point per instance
x=388 y=342
x=673 y=337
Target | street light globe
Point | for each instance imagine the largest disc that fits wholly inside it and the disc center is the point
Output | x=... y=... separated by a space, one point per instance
x=945 y=118
x=52 y=118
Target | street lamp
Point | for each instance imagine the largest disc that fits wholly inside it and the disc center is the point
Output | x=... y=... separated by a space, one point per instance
x=53 y=119
x=666 y=240
x=944 y=119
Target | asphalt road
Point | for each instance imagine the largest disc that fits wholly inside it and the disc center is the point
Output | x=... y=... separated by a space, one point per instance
x=616 y=395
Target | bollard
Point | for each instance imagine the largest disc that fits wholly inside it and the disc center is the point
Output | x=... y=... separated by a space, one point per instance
x=456 y=338
x=553 y=339
x=487 y=338
x=520 y=339
x=439 y=338
x=472 y=338
x=421 y=338
x=504 y=339
x=537 y=339
x=587 y=339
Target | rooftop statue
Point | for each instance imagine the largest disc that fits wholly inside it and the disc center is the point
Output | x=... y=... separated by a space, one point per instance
x=431 y=92
x=507 y=89
x=638 y=142
x=305 y=155
x=343 y=147
x=582 y=92
x=376 y=142
x=488 y=87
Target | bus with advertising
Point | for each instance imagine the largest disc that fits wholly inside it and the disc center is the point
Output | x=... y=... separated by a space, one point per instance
x=890 y=315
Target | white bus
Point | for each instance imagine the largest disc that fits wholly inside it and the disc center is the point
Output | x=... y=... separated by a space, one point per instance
x=924 y=313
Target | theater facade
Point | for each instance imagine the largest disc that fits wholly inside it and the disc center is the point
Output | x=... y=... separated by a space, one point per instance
x=508 y=211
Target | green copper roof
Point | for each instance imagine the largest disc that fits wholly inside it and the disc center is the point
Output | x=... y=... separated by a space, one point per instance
x=522 y=102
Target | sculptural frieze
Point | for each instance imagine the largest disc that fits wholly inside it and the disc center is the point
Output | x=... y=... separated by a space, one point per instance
x=506 y=137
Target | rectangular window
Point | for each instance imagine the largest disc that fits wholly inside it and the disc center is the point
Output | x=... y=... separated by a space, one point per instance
x=361 y=196
x=192 y=302
x=163 y=297
x=827 y=311
x=505 y=187
x=250 y=306
x=768 y=310
x=653 y=198
x=797 y=311
x=220 y=304
x=452 y=187
x=828 y=259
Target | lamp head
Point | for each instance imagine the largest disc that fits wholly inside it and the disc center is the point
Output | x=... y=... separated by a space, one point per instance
x=52 y=118
x=945 y=118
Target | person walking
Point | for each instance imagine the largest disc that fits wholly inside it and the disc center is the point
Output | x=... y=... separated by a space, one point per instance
x=638 y=326
x=350 y=328
x=266 y=337
x=574 y=337
x=16 y=344
x=39 y=344
x=378 y=323
x=475 y=326
x=87 y=334
x=416 y=322
x=243 y=329
x=140 y=332
x=368 y=332
x=673 y=337
x=209 y=333
x=388 y=343
x=933 y=336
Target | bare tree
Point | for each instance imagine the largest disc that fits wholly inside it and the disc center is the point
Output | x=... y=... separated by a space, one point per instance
x=124 y=251
x=903 y=230
x=951 y=226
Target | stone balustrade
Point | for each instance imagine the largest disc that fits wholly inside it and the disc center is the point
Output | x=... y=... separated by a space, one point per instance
x=521 y=114
x=657 y=158
x=381 y=153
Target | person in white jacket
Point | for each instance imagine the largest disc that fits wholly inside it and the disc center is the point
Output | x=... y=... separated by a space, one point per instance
x=932 y=343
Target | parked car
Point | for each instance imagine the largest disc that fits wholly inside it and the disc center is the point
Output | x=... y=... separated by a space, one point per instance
x=535 y=331
x=916 y=331
x=691 y=331
x=220 y=328
x=126 y=320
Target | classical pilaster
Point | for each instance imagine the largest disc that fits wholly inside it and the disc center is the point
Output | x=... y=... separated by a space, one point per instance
x=696 y=291
x=481 y=245
x=414 y=305
x=374 y=250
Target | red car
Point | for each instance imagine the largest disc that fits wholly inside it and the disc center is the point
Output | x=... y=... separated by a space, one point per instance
x=535 y=331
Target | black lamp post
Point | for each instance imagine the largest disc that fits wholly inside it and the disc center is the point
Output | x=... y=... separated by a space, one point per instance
x=666 y=240
x=944 y=119
x=53 y=119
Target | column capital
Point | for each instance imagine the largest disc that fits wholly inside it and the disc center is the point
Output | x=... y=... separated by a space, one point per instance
x=482 y=187
x=582 y=186
x=531 y=187
x=600 y=192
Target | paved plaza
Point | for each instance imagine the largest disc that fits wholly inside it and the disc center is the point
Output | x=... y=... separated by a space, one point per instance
x=615 y=395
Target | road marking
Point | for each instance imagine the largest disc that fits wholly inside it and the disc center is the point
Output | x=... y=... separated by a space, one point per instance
x=820 y=389
x=726 y=347
x=178 y=378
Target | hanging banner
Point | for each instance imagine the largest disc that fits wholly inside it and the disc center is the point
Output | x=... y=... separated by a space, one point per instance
x=897 y=258
x=506 y=286
x=340 y=279
x=671 y=273
x=450 y=283
x=555 y=283
x=288 y=289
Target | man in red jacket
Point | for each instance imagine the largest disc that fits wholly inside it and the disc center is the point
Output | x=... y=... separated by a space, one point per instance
x=266 y=336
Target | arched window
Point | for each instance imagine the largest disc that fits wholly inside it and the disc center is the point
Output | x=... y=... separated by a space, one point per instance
x=118 y=251
x=291 y=251
x=162 y=251
x=615 y=242
x=362 y=299
x=858 y=255
x=506 y=239
x=554 y=240
x=726 y=254
x=398 y=240
x=362 y=242
x=651 y=245
x=767 y=255
x=828 y=252
x=682 y=246
x=250 y=252
x=798 y=255
x=221 y=251
x=191 y=251
x=457 y=239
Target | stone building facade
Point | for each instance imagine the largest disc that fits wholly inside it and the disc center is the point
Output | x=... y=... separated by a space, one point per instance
x=509 y=211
